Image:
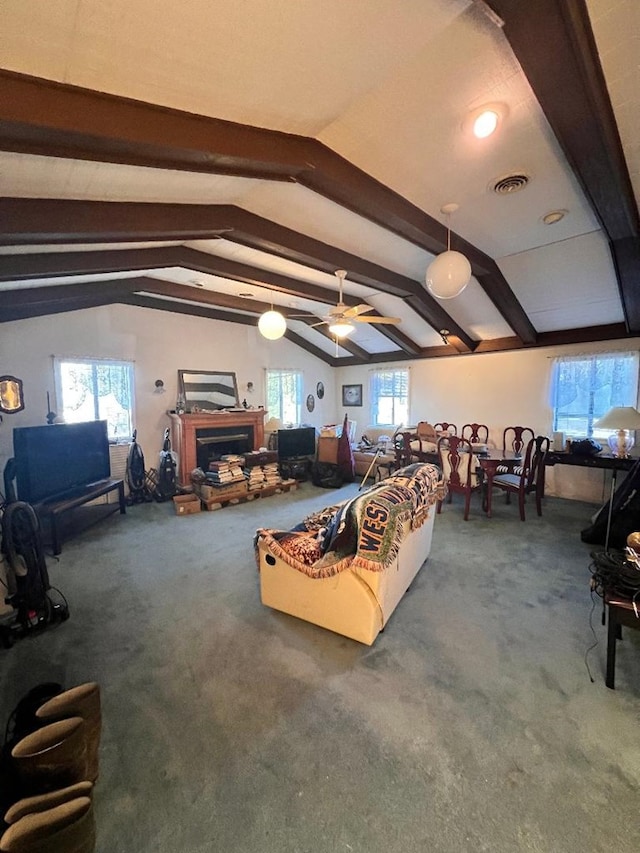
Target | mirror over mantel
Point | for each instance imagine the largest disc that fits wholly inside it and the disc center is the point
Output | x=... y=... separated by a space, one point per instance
x=208 y=390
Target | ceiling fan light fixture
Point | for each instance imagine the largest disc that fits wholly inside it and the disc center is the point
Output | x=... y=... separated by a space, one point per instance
x=341 y=328
x=272 y=325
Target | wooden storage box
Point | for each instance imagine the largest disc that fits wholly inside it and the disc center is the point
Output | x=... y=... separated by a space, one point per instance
x=186 y=504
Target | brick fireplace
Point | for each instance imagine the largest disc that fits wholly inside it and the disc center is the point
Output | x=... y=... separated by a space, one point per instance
x=202 y=435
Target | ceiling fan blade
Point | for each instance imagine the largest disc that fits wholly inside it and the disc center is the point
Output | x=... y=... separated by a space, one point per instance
x=388 y=320
x=354 y=310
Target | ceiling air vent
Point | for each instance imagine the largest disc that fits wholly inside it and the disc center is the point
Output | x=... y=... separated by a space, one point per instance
x=510 y=183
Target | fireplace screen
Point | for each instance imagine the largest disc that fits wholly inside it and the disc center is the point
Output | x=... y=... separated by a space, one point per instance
x=208 y=391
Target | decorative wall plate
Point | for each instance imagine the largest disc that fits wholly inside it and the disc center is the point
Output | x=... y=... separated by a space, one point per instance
x=320 y=390
x=311 y=403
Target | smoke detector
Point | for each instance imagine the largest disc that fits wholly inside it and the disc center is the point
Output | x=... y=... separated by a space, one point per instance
x=512 y=183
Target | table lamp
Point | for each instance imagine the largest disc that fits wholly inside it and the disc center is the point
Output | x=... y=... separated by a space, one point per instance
x=622 y=419
x=272 y=426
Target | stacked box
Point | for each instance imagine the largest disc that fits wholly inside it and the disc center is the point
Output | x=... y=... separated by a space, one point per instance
x=210 y=492
x=186 y=504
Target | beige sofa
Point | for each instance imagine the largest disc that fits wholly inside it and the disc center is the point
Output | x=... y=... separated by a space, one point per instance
x=364 y=457
x=347 y=567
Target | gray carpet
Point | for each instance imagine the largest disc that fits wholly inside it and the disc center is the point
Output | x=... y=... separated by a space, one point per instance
x=470 y=725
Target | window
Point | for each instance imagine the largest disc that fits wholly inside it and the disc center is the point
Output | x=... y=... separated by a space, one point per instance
x=389 y=395
x=584 y=388
x=96 y=390
x=284 y=395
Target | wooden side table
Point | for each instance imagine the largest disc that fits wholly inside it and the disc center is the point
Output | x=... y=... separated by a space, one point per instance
x=620 y=611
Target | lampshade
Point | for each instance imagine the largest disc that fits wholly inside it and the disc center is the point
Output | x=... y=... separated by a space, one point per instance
x=341 y=328
x=273 y=425
x=272 y=325
x=620 y=418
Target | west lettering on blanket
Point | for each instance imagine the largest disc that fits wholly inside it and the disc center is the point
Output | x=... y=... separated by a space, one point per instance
x=373 y=526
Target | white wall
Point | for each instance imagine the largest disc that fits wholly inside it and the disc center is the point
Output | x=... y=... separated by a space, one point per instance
x=160 y=344
x=498 y=389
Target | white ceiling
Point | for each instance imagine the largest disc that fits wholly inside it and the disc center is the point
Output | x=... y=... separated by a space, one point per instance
x=389 y=87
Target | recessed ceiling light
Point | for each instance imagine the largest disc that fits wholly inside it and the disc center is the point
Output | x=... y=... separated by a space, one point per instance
x=485 y=124
x=196 y=282
x=554 y=216
x=485 y=120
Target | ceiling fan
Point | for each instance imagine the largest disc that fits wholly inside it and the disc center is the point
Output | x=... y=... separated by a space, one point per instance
x=341 y=318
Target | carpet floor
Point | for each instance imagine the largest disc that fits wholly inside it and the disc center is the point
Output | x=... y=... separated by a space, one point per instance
x=470 y=725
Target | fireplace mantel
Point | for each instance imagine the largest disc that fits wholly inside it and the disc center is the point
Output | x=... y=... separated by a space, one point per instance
x=185 y=426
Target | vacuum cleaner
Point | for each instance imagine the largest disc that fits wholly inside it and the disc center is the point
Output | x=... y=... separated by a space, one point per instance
x=28 y=602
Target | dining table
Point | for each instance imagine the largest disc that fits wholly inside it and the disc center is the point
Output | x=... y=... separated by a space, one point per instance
x=488 y=462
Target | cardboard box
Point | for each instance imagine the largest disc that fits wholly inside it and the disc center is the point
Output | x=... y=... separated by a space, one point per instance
x=208 y=492
x=186 y=504
x=328 y=449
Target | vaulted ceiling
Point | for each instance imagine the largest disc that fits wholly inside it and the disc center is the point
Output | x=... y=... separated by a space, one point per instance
x=215 y=158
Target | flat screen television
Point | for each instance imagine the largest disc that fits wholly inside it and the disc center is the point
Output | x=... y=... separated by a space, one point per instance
x=59 y=459
x=296 y=442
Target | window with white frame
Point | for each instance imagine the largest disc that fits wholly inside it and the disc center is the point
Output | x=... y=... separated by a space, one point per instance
x=284 y=395
x=389 y=396
x=586 y=387
x=96 y=390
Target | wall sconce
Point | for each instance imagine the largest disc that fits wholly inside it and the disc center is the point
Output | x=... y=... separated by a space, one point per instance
x=250 y=387
x=159 y=387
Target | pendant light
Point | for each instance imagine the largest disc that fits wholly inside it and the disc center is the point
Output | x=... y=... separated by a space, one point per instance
x=449 y=273
x=272 y=324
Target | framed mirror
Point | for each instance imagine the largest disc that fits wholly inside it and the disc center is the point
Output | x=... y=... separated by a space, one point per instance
x=11 y=396
x=208 y=391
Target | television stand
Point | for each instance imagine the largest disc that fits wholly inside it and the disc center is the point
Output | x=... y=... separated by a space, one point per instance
x=296 y=468
x=58 y=517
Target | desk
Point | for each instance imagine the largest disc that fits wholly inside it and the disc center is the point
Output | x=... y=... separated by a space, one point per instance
x=599 y=460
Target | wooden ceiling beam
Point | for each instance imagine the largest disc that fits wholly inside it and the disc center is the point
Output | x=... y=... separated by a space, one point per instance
x=142 y=301
x=55 y=119
x=580 y=114
x=54 y=264
x=32 y=221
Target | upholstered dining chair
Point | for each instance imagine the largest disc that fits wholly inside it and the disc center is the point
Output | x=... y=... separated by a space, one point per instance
x=459 y=467
x=476 y=433
x=528 y=477
x=443 y=426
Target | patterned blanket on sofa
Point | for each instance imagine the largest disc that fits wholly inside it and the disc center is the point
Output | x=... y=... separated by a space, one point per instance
x=366 y=531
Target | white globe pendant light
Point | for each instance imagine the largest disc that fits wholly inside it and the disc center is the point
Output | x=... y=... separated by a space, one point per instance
x=449 y=273
x=272 y=325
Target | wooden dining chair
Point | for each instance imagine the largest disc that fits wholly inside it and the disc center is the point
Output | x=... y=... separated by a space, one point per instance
x=443 y=426
x=515 y=438
x=459 y=468
x=476 y=433
x=528 y=477
x=413 y=447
